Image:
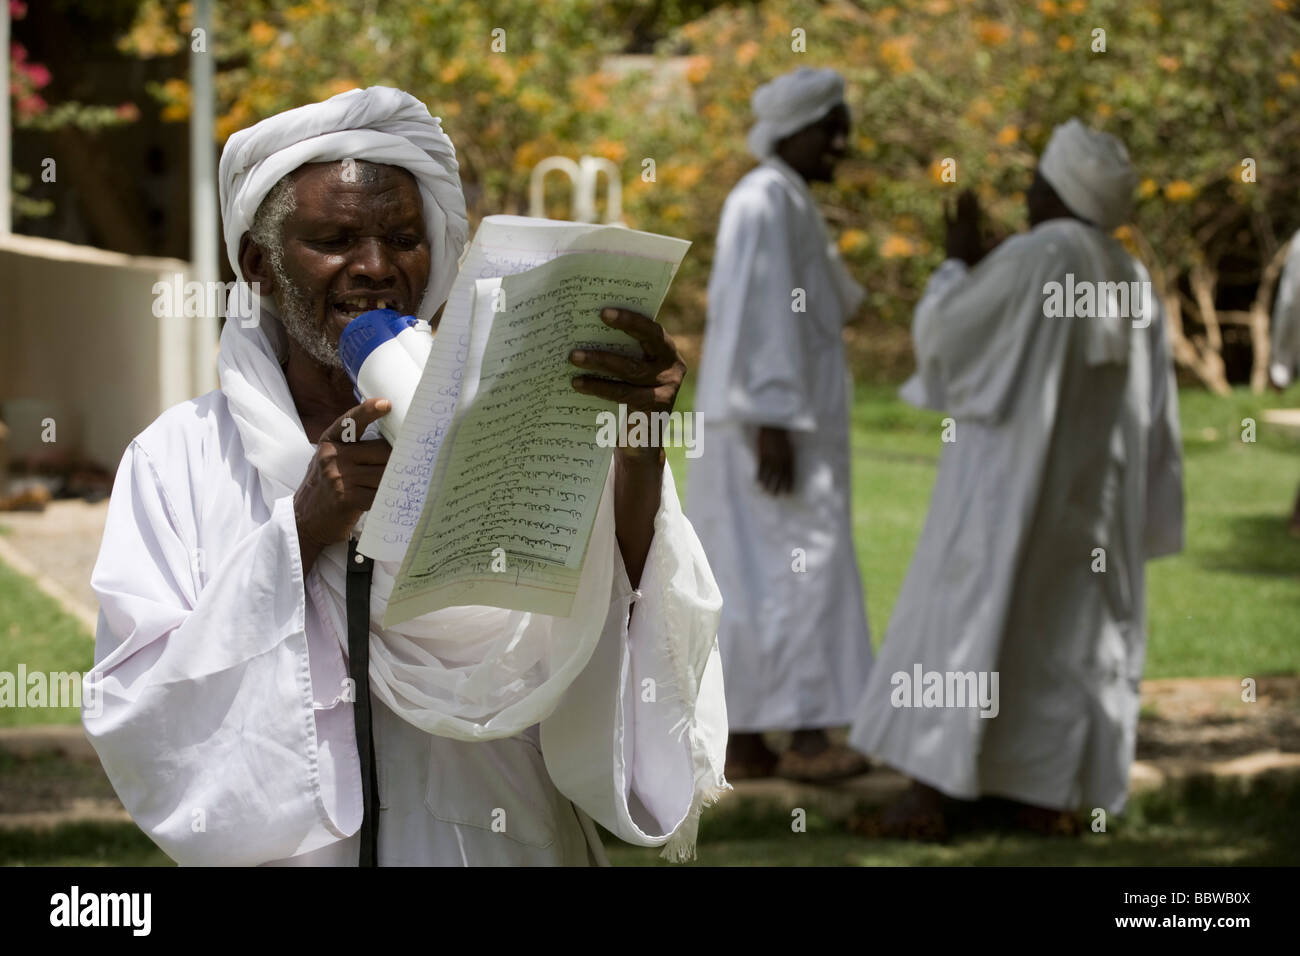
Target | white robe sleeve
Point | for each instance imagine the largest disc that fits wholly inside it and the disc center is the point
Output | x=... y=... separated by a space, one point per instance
x=201 y=705
x=925 y=388
x=972 y=334
x=753 y=293
x=1163 y=531
x=639 y=739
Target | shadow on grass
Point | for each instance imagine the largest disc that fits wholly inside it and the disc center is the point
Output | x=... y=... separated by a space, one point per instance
x=81 y=844
x=1258 y=544
x=1204 y=821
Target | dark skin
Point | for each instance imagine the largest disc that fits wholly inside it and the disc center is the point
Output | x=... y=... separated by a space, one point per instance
x=813 y=153
x=963 y=235
x=366 y=238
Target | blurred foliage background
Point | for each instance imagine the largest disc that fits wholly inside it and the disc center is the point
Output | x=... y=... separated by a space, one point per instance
x=1204 y=92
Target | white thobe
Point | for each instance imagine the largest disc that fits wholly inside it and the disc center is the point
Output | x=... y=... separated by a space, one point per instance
x=224 y=732
x=1066 y=453
x=1284 y=354
x=795 y=646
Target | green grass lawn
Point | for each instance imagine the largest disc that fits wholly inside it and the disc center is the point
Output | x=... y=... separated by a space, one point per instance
x=36 y=632
x=1228 y=605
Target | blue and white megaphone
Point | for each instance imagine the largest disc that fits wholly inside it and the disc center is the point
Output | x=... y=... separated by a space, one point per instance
x=384 y=353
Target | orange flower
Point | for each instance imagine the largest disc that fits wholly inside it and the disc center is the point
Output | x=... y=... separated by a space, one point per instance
x=897 y=53
x=851 y=240
x=1008 y=135
x=686 y=176
x=1180 y=190
x=1167 y=63
x=980 y=109
x=337 y=86
x=1065 y=43
x=1287 y=80
x=697 y=68
x=176 y=93
x=746 y=52
x=530 y=154
x=897 y=247
x=992 y=33
x=609 y=149
x=1148 y=188
x=262 y=33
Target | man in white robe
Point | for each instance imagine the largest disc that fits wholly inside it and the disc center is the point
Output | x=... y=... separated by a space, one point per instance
x=1284 y=354
x=220 y=704
x=770 y=493
x=1062 y=477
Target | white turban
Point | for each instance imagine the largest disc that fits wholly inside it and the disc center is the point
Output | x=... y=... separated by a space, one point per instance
x=378 y=124
x=1091 y=172
x=789 y=103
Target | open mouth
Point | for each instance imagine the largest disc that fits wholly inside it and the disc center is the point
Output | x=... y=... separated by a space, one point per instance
x=349 y=307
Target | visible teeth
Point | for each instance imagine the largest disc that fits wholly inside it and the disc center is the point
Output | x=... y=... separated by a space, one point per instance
x=357 y=305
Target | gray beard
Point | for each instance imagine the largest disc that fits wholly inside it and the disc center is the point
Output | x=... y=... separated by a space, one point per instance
x=298 y=321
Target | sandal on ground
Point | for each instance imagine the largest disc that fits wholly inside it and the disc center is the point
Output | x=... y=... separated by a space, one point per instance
x=751 y=768
x=1045 y=822
x=883 y=825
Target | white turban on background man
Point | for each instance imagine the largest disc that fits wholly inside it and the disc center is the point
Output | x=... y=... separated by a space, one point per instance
x=789 y=103
x=1091 y=172
x=379 y=125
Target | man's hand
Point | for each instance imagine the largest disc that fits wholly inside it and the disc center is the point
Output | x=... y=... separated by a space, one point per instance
x=647 y=384
x=962 y=231
x=775 y=460
x=341 y=480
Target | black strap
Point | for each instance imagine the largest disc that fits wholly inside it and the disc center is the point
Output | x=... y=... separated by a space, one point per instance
x=359 y=571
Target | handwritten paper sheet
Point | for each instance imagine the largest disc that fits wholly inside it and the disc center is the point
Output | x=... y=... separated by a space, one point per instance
x=491 y=492
x=503 y=245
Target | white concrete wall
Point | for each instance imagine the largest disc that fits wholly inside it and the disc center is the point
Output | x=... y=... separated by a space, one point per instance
x=78 y=333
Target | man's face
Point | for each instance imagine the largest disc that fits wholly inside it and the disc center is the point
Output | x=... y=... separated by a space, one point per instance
x=814 y=151
x=355 y=241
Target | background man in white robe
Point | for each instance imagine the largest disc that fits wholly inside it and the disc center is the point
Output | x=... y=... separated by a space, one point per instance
x=226 y=723
x=1284 y=354
x=770 y=495
x=1064 y=477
